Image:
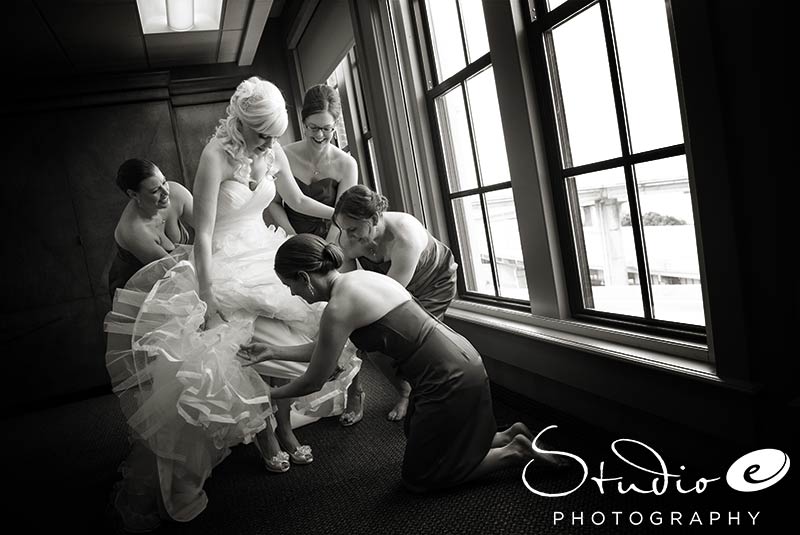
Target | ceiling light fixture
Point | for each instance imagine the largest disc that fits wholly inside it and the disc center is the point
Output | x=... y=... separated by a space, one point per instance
x=163 y=16
x=180 y=15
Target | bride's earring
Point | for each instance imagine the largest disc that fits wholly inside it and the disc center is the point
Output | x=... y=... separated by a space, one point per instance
x=311 y=290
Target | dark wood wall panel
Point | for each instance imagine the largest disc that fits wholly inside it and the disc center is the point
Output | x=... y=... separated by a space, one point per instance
x=44 y=262
x=195 y=124
x=53 y=351
x=97 y=141
x=61 y=205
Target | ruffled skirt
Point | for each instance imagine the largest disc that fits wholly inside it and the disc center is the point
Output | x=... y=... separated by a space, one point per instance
x=184 y=392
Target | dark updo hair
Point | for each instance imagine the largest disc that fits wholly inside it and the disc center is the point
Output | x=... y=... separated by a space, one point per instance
x=321 y=98
x=360 y=203
x=133 y=171
x=309 y=253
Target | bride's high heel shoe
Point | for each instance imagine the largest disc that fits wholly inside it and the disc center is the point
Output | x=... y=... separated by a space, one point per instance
x=349 y=418
x=278 y=463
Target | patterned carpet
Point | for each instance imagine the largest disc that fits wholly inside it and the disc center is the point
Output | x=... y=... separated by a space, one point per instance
x=60 y=464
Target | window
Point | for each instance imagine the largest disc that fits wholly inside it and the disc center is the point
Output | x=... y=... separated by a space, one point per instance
x=617 y=158
x=345 y=79
x=556 y=132
x=471 y=152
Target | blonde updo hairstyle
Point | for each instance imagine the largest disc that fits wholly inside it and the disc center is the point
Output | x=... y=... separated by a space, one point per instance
x=259 y=105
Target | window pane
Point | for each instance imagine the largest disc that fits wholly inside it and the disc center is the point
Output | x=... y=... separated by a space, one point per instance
x=609 y=250
x=373 y=162
x=448 y=48
x=487 y=128
x=670 y=242
x=341 y=132
x=472 y=243
x=475 y=28
x=456 y=145
x=648 y=73
x=582 y=83
x=552 y=4
x=506 y=244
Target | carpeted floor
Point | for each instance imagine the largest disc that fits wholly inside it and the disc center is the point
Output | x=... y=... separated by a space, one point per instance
x=59 y=465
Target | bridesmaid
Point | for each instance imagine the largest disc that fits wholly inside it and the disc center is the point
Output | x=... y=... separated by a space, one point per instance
x=153 y=222
x=398 y=245
x=450 y=426
x=321 y=169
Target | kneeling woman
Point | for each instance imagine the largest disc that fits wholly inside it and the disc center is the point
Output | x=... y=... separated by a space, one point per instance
x=450 y=426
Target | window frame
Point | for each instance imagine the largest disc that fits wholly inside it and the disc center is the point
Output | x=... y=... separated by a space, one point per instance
x=726 y=347
x=436 y=90
x=540 y=49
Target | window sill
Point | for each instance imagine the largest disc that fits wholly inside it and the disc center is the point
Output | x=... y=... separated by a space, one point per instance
x=673 y=356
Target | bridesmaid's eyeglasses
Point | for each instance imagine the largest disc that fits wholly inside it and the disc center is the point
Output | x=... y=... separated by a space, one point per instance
x=325 y=129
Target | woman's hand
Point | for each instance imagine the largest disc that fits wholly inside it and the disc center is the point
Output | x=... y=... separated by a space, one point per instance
x=212 y=308
x=256 y=352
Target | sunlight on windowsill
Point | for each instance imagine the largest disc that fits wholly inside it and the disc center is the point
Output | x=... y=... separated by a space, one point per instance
x=674 y=356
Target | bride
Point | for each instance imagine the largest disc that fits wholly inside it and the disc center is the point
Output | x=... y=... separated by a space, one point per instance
x=176 y=327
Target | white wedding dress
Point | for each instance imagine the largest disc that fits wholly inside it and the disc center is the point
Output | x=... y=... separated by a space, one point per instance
x=184 y=392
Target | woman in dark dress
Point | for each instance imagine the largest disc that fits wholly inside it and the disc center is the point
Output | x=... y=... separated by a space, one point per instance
x=398 y=245
x=450 y=426
x=153 y=222
x=321 y=169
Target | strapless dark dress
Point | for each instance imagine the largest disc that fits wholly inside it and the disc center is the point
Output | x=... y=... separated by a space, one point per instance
x=434 y=281
x=323 y=190
x=450 y=423
x=124 y=264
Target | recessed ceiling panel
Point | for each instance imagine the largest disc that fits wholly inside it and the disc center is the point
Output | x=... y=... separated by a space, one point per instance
x=162 y=16
x=235 y=14
x=187 y=48
x=229 y=46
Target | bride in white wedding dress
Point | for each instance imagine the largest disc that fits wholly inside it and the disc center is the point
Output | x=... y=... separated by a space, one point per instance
x=175 y=328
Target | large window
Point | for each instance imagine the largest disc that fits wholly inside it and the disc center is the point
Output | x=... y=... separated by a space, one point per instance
x=618 y=160
x=558 y=134
x=473 y=164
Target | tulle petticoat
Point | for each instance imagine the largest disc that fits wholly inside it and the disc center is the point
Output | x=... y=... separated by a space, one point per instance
x=184 y=392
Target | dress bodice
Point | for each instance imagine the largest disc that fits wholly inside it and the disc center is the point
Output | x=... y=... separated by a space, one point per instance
x=398 y=333
x=323 y=190
x=405 y=334
x=240 y=211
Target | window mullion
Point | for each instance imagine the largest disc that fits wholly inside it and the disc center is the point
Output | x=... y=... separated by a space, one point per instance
x=630 y=179
x=489 y=245
x=463 y=32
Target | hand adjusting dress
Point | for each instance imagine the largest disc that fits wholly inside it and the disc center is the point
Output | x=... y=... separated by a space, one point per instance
x=450 y=423
x=185 y=394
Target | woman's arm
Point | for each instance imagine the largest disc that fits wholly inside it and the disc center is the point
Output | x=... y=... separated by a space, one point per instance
x=288 y=189
x=405 y=257
x=278 y=215
x=349 y=178
x=256 y=352
x=206 y=191
x=183 y=202
x=335 y=327
x=410 y=240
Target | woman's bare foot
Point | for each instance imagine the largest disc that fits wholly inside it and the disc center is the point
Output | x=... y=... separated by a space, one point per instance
x=502 y=438
x=519 y=448
x=354 y=410
x=400 y=409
